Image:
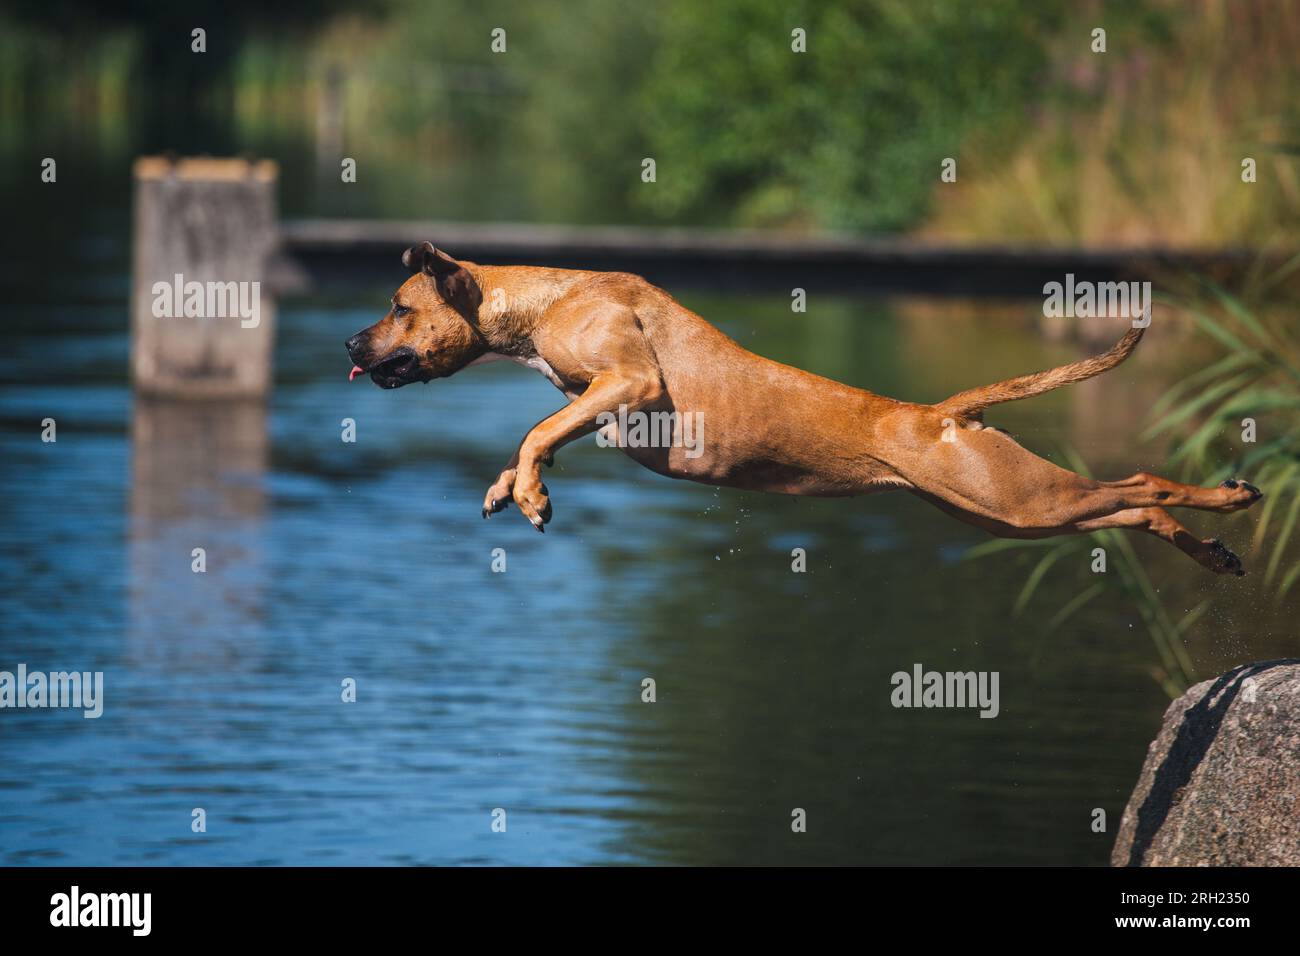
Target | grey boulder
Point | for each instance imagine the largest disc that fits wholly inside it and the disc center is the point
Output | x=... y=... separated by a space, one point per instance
x=1221 y=782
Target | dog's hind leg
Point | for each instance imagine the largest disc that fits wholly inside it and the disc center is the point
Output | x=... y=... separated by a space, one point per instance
x=986 y=478
x=1231 y=495
x=1209 y=553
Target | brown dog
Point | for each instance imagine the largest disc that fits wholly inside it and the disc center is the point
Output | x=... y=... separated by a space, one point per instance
x=613 y=342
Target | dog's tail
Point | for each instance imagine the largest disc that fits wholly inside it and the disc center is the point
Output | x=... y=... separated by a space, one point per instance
x=972 y=402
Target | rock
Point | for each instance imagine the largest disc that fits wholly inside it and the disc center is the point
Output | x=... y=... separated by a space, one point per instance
x=1221 y=783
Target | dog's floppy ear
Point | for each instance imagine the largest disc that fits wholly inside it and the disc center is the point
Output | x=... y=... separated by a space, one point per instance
x=432 y=262
x=453 y=281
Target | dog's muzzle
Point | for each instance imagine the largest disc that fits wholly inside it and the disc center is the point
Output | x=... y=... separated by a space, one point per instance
x=397 y=368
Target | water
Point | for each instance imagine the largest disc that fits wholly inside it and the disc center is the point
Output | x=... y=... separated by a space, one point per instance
x=522 y=690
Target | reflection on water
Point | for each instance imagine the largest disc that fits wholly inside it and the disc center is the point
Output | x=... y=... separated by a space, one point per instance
x=197 y=492
x=475 y=690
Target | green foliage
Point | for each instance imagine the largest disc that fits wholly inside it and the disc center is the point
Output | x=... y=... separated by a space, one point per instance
x=1257 y=378
x=840 y=136
x=1053 y=142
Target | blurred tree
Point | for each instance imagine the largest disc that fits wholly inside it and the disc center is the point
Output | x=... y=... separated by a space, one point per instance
x=1052 y=141
x=178 y=81
x=850 y=134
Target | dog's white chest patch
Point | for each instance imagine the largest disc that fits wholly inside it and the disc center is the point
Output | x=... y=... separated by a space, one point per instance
x=538 y=364
x=535 y=362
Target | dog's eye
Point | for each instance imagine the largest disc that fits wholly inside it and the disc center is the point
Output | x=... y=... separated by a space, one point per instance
x=400 y=310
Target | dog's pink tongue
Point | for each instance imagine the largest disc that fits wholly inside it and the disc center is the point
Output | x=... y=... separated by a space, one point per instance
x=356 y=370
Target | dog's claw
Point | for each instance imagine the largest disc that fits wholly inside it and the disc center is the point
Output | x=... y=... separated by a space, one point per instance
x=1223 y=560
x=498 y=494
x=534 y=504
x=1232 y=484
x=1244 y=494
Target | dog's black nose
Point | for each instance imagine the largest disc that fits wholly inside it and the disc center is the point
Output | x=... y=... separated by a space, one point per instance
x=353 y=345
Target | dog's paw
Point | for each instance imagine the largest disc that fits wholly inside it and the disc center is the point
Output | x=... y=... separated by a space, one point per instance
x=1241 y=494
x=1220 y=560
x=533 y=503
x=498 y=496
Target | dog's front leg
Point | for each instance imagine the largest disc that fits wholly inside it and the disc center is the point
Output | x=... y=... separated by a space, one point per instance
x=522 y=479
x=502 y=490
x=500 y=494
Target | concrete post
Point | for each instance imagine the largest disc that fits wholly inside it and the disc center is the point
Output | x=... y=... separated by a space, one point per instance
x=202 y=318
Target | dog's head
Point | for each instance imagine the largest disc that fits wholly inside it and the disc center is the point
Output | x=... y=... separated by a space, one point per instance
x=430 y=332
